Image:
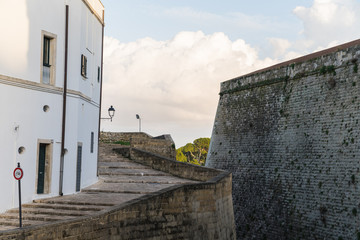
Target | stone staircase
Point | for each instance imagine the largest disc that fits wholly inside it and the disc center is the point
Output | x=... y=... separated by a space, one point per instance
x=120 y=180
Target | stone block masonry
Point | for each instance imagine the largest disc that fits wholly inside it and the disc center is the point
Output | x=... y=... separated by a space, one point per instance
x=162 y=145
x=184 y=209
x=290 y=136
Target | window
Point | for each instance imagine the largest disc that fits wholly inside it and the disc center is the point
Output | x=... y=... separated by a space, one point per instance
x=98 y=76
x=83 y=65
x=92 y=143
x=48 y=51
x=46 y=61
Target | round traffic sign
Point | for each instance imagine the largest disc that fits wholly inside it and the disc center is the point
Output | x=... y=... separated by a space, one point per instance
x=18 y=173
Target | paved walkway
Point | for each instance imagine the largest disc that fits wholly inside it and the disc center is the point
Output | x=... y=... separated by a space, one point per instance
x=120 y=180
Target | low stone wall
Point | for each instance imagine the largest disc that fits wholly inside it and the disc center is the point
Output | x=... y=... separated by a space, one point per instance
x=121 y=136
x=162 y=145
x=179 y=169
x=193 y=211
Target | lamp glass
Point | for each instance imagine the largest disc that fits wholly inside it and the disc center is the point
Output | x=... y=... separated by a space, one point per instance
x=111 y=111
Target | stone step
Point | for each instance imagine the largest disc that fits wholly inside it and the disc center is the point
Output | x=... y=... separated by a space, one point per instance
x=70 y=202
x=117 y=191
x=6 y=224
x=35 y=217
x=48 y=211
x=114 y=165
x=150 y=180
x=128 y=188
x=7 y=227
x=114 y=159
x=64 y=207
x=132 y=172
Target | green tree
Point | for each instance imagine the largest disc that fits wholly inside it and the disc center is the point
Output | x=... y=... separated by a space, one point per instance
x=202 y=147
x=180 y=156
x=194 y=153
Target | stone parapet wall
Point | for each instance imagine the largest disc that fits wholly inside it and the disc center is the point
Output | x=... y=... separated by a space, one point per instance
x=179 y=169
x=196 y=211
x=162 y=145
x=121 y=136
x=193 y=211
x=295 y=68
x=290 y=134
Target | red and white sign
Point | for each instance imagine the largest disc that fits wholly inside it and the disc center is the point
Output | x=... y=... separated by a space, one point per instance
x=18 y=173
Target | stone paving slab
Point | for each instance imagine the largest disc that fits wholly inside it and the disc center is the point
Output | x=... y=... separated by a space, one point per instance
x=50 y=211
x=146 y=179
x=131 y=165
x=95 y=199
x=9 y=226
x=137 y=188
x=36 y=217
x=61 y=207
x=14 y=223
x=136 y=172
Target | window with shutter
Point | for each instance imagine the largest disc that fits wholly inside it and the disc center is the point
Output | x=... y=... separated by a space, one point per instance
x=83 y=65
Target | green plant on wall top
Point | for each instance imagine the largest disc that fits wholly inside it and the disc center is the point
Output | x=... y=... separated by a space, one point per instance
x=327 y=69
x=122 y=143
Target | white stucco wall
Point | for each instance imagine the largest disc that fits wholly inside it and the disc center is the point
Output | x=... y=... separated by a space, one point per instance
x=23 y=96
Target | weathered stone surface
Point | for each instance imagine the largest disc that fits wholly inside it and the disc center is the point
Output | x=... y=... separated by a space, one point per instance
x=162 y=145
x=290 y=136
x=172 y=208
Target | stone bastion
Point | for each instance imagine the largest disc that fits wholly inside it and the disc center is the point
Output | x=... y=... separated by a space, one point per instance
x=290 y=136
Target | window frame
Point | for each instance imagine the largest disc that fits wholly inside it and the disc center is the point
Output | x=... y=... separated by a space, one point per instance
x=83 y=67
x=99 y=74
x=48 y=43
x=92 y=142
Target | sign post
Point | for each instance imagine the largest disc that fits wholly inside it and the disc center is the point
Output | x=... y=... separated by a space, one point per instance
x=18 y=174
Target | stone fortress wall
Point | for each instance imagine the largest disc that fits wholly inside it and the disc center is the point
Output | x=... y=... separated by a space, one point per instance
x=290 y=136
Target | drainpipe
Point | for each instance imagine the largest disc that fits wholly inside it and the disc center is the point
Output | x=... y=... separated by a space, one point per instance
x=101 y=83
x=64 y=104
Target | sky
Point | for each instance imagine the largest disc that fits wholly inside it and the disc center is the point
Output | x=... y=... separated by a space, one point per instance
x=165 y=59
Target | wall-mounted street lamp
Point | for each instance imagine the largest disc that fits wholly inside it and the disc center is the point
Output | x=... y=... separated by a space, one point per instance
x=138 y=117
x=111 y=112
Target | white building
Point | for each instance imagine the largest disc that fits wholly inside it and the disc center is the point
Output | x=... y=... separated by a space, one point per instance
x=48 y=48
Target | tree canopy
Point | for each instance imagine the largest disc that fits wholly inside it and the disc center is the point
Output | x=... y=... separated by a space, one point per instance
x=195 y=152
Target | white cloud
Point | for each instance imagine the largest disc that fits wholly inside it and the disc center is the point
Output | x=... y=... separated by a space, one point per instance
x=279 y=46
x=330 y=22
x=173 y=84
